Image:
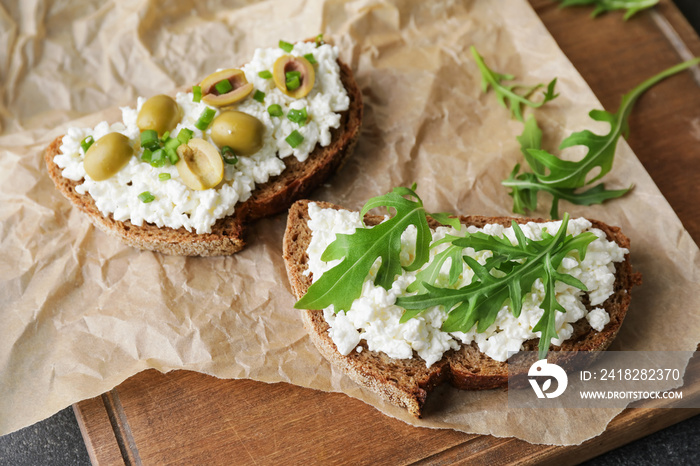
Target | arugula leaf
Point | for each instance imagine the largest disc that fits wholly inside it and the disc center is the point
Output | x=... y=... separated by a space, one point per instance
x=525 y=186
x=506 y=93
x=342 y=284
x=446 y=218
x=603 y=6
x=563 y=179
x=601 y=148
x=479 y=302
x=431 y=273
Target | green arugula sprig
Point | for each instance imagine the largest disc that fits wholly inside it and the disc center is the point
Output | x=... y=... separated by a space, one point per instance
x=507 y=95
x=603 y=6
x=563 y=178
x=525 y=186
x=601 y=148
x=520 y=265
x=342 y=284
x=507 y=276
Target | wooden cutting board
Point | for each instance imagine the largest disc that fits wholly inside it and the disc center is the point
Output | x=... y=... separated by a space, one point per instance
x=189 y=418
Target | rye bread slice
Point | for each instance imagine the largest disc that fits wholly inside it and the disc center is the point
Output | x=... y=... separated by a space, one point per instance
x=407 y=382
x=228 y=234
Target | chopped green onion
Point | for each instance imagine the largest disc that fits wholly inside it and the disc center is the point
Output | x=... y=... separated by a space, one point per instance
x=170 y=148
x=286 y=46
x=205 y=119
x=172 y=143
x=149 y=139
x=319 y=40
x=310 y=58
x=172 y=155
x=185 y=135
x=265 y=74
x=86 y=143
x=298 y=116
x=196 y=93
x=165 y=137
x=228 y=155
x=163 y=176
x=293 y=80
x=294 y=139
x=275 y=110
x=146 y=156
x=223 y=86
x=146 y=197
x=158 y=158
x=259 y=96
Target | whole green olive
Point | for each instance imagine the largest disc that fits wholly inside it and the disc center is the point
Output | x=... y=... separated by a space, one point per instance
x=107 y=156
x=241 y=132
x=160 y=113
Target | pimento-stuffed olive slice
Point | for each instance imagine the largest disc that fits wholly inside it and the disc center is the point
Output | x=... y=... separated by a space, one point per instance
x=295 y=76
x=225 y=87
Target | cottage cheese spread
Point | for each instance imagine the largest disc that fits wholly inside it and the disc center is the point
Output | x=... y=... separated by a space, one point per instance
x=175 y=205
x=374 y=318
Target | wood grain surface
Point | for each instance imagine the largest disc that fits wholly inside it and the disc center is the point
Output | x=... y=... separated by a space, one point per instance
x=189 y=418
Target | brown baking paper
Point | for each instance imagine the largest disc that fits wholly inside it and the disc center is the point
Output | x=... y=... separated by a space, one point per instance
x=81 y=312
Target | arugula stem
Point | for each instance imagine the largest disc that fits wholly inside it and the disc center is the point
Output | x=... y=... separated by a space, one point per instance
x=663 y=75
x=494 y=79
x=617 y=127
x=602 y=6
x=504 y=93
x=565 y=193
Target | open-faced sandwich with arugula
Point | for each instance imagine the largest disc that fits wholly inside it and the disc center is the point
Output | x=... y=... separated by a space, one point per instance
x=185 y=174
x=404 y=302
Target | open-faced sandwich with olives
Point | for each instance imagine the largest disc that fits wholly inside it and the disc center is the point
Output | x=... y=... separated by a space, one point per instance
x=185 y=174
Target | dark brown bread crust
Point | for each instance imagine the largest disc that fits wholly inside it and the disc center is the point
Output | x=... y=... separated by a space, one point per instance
x=228 y=234
x=407 y=382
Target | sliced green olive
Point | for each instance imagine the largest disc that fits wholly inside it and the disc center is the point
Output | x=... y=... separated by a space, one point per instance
x=306 y=78
x=200 y=165
x=107 y=156
x=160 y=113
x=238 y=87
x=241 y=132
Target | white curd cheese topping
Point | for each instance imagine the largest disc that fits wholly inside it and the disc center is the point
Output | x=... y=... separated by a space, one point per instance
x=175 y=205
x=598 y=318
x=373 y=317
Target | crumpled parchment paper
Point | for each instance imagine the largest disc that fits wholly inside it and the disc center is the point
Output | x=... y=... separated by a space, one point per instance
x=81 y=312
